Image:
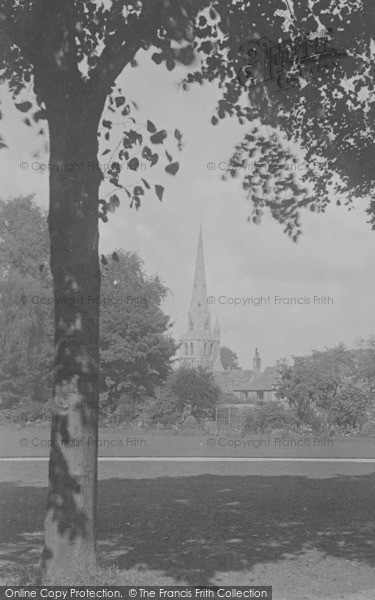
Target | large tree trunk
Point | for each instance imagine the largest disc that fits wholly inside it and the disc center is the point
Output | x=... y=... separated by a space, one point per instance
x=73 y=225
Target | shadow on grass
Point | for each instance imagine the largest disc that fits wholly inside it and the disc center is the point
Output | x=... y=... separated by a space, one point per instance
x=192 y=527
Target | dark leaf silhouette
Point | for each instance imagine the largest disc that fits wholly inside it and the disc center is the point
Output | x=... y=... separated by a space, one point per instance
x=151 y=127
x=159 y=191
x=133 y=164
x=119 y=101
x=115 y=200
x=115 y=167
x=158 y=58
x=39 y=114
x=23 y=106
x=158 y=137
x=114 y=181
x=146 y=153
x=172 y=168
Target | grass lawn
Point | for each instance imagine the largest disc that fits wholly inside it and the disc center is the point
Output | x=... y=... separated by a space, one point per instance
x=31 y=441
x=307 y=529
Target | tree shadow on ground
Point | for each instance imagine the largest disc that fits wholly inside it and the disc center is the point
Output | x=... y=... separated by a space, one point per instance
x=191 y=527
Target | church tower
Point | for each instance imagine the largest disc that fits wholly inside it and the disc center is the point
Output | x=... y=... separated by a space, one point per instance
x=199 y=345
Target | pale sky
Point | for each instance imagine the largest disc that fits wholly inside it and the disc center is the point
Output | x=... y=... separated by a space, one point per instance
x=335 y=256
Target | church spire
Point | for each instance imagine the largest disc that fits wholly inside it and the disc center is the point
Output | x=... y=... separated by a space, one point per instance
x=199 y=297
x=200 y=347
x=217 y=326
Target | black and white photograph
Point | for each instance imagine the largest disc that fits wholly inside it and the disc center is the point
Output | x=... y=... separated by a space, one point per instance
x=187 y=287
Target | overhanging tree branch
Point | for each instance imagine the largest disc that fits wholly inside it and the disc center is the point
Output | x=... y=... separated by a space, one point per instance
x=122 y=47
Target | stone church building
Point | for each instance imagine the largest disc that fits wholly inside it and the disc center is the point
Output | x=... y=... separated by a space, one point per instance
x=200 y=346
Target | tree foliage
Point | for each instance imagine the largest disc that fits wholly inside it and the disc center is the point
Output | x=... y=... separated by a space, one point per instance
x=332 y=380
x=190 y=390
x=294 y=102
x=229 y=358
x=328 y=116
x=136 y=345
x=95 y=43
x=350 y=404
x=265 y=417
x=26 y=331
x=24 y=243
x=365 y=360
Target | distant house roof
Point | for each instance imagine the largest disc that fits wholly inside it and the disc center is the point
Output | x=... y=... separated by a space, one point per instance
x=229 y=381
x=265 y=382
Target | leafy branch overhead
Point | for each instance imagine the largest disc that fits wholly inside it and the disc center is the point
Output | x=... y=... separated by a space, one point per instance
x=100 y=41
x=136 y=150
x=319 y=106
x=128 y=155
x=329 y=119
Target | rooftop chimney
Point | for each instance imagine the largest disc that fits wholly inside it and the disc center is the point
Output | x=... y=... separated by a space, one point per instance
x=257 y=364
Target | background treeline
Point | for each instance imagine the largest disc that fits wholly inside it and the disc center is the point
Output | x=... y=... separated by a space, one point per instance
x=328 y=391
x=136 y=346
x=332 y=387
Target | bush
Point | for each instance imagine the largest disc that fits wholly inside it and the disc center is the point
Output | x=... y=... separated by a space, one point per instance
x=317 y=423
x=164 y=411
x=368 y=429
x=189 y=424
x=28 y=411
x=350 y=404
x=251 y=424
x=266 y=417
x=127 y=413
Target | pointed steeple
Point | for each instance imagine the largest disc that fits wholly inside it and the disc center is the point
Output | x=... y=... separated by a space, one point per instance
x=217 y=326
x=199 y=345
x=199 y=297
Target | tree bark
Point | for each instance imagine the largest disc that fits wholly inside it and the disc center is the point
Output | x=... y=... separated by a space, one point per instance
x=73 y=226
